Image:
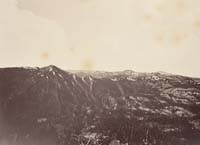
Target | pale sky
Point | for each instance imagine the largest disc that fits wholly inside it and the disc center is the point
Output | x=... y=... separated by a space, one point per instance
x=112 y=35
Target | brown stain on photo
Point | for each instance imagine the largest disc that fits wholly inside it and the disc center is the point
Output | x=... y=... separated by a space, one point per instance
x=160 y=38
x=148 y=17
x=159 y=8
x=88 y=64
x=180 y=7
x=179 y=37
x=197 y=24
x=72 y=49
x=45 y=55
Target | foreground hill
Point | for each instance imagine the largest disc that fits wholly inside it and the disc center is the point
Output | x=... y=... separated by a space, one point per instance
x=49 y=106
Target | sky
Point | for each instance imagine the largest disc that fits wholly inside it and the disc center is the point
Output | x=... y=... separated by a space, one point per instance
x=109 y=35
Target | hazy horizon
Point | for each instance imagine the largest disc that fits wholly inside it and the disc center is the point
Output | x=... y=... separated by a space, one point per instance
x=93 y=71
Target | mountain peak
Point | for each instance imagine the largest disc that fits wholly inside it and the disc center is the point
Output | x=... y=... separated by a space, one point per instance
x=51 y=68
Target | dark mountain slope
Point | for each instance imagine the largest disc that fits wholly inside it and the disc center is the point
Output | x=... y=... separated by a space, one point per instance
x=49 y=106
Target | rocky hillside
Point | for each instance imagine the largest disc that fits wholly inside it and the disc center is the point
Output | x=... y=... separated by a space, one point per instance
x=50 y=106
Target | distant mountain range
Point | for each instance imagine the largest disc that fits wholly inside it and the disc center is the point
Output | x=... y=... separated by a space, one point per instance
x=50 y=106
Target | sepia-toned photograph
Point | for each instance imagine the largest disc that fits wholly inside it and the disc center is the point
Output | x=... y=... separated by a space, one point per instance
x=99 y=72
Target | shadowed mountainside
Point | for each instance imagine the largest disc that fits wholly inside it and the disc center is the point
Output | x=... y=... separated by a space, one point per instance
x=50 y=106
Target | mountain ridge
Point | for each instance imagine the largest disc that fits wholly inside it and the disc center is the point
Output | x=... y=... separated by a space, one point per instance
x=52 y=106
